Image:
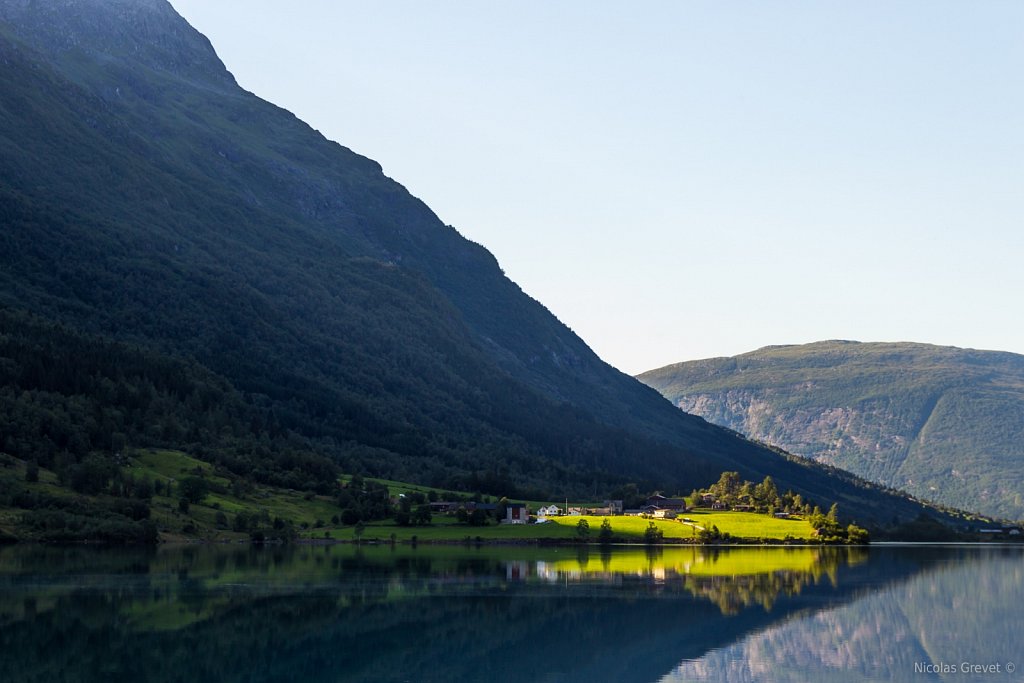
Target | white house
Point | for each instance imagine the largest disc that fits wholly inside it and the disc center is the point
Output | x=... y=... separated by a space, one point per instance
x=549 y=511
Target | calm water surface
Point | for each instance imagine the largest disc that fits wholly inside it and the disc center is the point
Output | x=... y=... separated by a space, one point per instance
x=524 y=615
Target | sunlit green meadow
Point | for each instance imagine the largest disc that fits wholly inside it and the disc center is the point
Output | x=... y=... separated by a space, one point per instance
x=741 y=525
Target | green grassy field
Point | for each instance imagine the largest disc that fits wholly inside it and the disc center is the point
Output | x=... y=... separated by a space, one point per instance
x=739 y=524
x=750 y=525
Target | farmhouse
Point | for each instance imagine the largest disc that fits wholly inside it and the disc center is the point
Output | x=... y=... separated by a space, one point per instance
x=608 y=507
x=663 y=503
x=516 y=513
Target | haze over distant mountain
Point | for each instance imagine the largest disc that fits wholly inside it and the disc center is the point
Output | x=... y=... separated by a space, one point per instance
x=943 y=423
x=183 y=264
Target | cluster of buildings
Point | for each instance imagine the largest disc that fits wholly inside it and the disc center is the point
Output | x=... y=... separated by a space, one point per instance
x=656 y=506
x=607 y=509
x=515 y=513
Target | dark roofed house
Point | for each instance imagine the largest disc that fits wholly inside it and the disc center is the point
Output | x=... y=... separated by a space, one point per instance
x=666 y=503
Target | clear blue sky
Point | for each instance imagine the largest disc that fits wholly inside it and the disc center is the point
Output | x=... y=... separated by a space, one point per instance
x=679 y=180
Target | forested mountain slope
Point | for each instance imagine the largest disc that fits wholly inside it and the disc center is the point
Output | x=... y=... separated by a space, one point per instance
x=149 y=202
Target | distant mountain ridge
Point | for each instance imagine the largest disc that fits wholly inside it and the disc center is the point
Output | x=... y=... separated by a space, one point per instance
x=944 y=423
x=149 y=201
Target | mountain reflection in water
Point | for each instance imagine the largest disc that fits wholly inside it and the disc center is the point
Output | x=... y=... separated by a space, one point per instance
x=342 y=613
x=965 y=611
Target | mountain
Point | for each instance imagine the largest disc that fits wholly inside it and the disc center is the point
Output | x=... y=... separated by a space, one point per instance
x=943 y=423
x=154 y=210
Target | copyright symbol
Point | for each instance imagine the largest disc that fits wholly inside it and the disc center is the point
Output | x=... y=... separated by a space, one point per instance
x=1010 y=667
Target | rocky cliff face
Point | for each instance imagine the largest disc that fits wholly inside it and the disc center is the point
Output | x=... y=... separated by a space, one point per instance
x=944 y=424
x=865 y=435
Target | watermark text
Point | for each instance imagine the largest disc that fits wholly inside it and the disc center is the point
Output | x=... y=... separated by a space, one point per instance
x=973 y=668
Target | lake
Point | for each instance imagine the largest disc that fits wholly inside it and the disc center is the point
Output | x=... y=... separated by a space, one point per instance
x=519 y=614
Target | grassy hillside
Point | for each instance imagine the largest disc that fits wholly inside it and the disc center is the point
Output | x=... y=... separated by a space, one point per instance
x=943 y=423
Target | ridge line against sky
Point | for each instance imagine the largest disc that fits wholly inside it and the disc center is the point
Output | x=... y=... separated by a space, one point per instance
x=686 y=180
